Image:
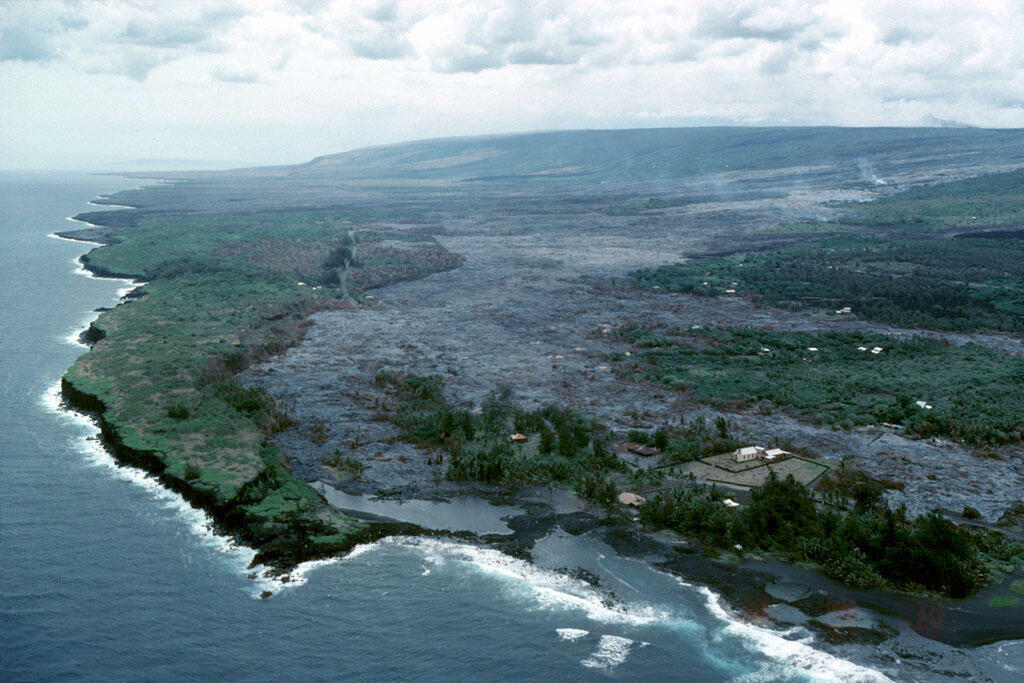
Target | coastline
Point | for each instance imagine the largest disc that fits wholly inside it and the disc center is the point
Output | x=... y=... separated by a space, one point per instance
x=283 y=547
x=764 y=592
x=748 y=595
x=227 y=516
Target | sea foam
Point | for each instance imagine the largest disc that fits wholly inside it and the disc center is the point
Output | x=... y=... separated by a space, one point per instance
x=787 y=656
x=611 y=651
x=572 y=634
x=200 y=526
x=544 y=589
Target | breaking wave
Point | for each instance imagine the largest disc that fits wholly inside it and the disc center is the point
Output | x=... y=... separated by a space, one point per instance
x=787 y=657
x=781 y=655
x=611 y=651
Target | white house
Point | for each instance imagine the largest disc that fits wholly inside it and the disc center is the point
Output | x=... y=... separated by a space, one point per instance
x=747 y=453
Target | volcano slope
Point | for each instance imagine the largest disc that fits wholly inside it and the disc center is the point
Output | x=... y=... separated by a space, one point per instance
x=493 y=263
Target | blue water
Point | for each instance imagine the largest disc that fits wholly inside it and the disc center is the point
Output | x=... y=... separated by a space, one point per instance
x=105 y=576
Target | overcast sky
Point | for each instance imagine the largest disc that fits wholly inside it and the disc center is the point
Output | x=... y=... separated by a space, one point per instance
x=245 y=83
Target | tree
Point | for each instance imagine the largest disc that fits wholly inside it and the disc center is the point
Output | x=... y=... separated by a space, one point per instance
x=547 y=441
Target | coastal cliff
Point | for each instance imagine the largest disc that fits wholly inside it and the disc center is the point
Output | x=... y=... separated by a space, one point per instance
x=159 y=378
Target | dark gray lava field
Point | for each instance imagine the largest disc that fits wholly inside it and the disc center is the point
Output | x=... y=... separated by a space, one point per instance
x=544 y=287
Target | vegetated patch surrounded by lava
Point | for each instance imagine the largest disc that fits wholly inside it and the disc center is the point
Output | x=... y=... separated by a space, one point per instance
x=534 y=307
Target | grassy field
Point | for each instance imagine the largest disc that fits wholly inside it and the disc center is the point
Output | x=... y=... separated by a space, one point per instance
x=711 y=469
x=977 y=395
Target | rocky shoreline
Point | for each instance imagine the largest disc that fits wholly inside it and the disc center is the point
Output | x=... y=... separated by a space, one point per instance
x=761 y=590
x=535 y=303
x=289 y=545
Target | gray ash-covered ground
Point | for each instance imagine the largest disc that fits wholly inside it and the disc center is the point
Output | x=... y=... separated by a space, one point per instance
x=534 y=308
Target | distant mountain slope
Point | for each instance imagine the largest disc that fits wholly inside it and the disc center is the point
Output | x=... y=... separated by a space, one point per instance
x=652 y=154
x=683 y=164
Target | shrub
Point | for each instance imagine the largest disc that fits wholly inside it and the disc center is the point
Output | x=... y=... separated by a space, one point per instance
x=178 y=411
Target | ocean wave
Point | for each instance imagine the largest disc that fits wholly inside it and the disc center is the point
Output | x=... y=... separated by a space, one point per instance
x=77 y=220
x=73 y=336
x=55 y=236
x=200 y=526
x=113 y=206
x=787 y=656
x=545 y=589
x=611 y=651
x=571 y=634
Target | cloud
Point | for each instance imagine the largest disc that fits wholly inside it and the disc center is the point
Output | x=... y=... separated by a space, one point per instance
x=464 y=59
x=354 y=72
x=901 y=33
x=473 y=39
x=539 y=54
x=383 y=12
x=72 y=22
x=215 y=15
x=225 y=75
x=778 y=62
x=19 y=43
x=27 y=31
x=756 y=22
x=137 y=65
x=163 y=33
x=373 y=31
x=381 y=42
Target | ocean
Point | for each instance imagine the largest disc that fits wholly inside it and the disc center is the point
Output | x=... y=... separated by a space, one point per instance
x=104 y=575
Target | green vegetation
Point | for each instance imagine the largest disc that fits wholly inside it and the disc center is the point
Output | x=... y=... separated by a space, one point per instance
x=1018 y=586
x=691 y=441
x=561 y=447
x=806 y=228
x=869 y=546
x=977 y=395
x=222 y=292
x=912 y=281
x=995 y=199
x=1004 y=601
x=931 y=283
x=345 y=466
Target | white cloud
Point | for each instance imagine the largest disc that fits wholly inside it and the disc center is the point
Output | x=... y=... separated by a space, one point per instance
x=28 y=33
x=363 y=72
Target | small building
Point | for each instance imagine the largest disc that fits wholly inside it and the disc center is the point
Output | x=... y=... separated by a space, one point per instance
x=640 y=449
x=518 y=437
x=730 y=503
x=633 y=499
x=747 y=453
x=775 y=453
